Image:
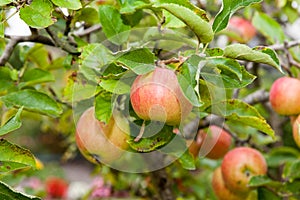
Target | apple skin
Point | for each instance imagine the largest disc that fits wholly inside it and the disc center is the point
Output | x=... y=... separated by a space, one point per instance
x=100 y=142
x=157 y=96
x=220 y=189
x=239 y=165
x=296 y=130
x=240 y=29
x=285 y=96
x=215 y=143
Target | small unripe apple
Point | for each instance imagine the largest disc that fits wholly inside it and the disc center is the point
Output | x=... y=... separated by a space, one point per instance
x=100 y=142
x=240 y=29
x=285 y=96
x=215 y=143
x=296 y=130
x=239 y=166
x=220 y=189
x=157 y=96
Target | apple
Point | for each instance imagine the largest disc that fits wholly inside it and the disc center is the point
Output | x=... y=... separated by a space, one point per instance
x=56 y=188
x=220 y=189
x=215 y=143
x=296 y=130
x=285 y=96
x=157 y=96
x=240 y=29
x=100 y=142
x=239 y=166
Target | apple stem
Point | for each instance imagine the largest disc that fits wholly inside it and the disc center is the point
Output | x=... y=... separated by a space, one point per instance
x=140 y=135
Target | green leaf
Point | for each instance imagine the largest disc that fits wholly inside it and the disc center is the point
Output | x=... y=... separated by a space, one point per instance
x=93 y=58
x=115 y=86
x=280 y=155
x=12 y=124
x=70 y=4
x=37 y=14
x=188 y=81
x=4 y=2
x=103 y=106
x=265 y=194
x=33 y=101
x=39 y=55
x=130 y=6
x=8 y=193
x=140 y=61
x=229 y=7
x=177 y=147
x=113 y=27
x=226 y=73
x=258 y=54
x=88 y=15
x=152 y=139
x=13 y=157
x=191 y=15
x=238 y=111
x=291 y=170
x=35 y=76
x=270 y=28
x=187 y=161
x=259 y=181
x=6 y=83
x=214 y=52
x=171 y=21
x=2 y=19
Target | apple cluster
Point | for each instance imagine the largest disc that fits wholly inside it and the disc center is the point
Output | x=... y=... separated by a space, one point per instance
x=230 y=180
x=285 y=100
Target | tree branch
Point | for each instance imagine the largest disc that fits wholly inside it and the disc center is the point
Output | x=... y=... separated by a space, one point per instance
x=60 y=43
x=284 y=46
x=14 y=40
x=8 y=51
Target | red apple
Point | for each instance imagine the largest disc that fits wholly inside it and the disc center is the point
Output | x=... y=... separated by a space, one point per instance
x=215 y=143
x=285 y=96
x=157 y=96
x=240 y=29
x=239 y=166
x=56 y=188
x=220 y=189
x=296 y=130
x=100 y=142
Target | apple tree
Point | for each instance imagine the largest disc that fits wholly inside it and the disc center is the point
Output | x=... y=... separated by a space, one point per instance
x=178 y=94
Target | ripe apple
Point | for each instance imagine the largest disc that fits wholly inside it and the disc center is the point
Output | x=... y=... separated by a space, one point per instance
x=239 y=165
x=220 y=189
x=215 y=143
x=296 y=130
x=56 y=188
x=285 y=96
x=157 y=96
x=240 y=29
x=100 y=142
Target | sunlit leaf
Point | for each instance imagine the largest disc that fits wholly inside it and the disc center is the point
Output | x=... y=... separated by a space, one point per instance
x=70 y=4
x=113 y=27
x=33 y=101
x=258 y=54
x=37 y=14
x=12 y=124
x=8 y=193
x=236 y=110
x=228 y=8
x=13 y=157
